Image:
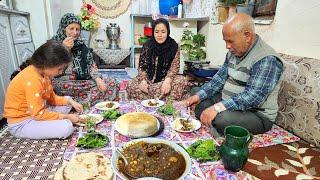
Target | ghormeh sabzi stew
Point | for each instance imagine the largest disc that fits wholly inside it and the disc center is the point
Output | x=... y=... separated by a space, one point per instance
x=152 y=160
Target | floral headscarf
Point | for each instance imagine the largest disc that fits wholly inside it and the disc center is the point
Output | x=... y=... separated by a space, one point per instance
x=80 y=51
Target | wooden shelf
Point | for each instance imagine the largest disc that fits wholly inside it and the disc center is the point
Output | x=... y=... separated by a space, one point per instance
x=171 y=18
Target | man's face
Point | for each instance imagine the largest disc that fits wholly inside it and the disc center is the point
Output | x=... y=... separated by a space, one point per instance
x=238 y=43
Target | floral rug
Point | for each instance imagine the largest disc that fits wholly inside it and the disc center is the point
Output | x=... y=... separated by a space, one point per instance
x=208 y=170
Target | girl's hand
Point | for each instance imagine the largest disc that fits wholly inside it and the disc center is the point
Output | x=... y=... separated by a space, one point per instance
x=77 y=106
x=166 y=87
x=68 y=42
x=74 y=118
x=102 y=87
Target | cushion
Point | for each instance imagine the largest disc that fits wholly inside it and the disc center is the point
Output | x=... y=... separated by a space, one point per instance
x=299 y=99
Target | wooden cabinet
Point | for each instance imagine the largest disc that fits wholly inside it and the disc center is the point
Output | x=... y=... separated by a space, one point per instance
x=15 y=46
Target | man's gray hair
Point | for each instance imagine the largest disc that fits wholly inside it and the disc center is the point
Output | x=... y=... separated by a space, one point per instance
x=240 y=26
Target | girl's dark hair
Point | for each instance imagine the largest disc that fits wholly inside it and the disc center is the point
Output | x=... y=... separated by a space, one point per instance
x=50 y=54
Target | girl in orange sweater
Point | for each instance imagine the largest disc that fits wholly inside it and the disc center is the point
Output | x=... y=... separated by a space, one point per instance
x=31 y=90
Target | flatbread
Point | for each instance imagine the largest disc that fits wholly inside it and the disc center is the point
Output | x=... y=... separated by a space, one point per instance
x=86 y=166
x=137 y=124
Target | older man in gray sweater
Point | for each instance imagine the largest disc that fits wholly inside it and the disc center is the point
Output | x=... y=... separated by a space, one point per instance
x=244 y=91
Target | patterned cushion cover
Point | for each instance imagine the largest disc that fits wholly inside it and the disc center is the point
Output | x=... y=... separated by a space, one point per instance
x=299 y=99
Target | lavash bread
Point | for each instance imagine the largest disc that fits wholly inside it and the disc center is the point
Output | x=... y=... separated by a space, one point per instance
x=90 y=165
x=137 y=124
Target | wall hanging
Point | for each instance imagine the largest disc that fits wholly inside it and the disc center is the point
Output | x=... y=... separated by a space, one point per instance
x=110 y=8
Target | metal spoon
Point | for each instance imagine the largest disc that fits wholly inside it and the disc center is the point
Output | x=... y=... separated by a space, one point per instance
x=122 y=156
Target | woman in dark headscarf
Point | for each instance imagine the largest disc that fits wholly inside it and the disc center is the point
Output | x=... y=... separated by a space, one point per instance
x=81 y=79
x=158 y=67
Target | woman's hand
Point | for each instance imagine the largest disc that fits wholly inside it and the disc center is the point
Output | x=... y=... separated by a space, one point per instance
x=166 y=87
x=143 y=86
x=68 y=42
x=102 y=87
x=77 y=106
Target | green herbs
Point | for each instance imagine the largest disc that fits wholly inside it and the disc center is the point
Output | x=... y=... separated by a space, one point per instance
x=90 y=124
x=93 y=140
x=203 y=150
x=111 y=114
x=167 y=109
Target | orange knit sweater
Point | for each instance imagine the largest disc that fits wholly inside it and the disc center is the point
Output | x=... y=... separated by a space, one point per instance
x=27 y=96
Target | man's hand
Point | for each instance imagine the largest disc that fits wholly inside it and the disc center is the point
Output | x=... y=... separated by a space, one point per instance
x=195 y=99
x=102 y=87
x=143 y=86
x=68 y=42
x=208 y=115
x=166 y=87
x=77 y=106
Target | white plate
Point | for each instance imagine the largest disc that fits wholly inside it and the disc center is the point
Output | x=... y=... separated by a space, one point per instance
x=175 y=125
x=98 y=118
x=145 y=103
x=176 y=147
x=102 y=105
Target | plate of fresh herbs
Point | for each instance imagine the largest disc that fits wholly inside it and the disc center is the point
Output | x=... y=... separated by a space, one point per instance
x=167 y=109
x=204 y=150
x=111 y=114
x=93 y=140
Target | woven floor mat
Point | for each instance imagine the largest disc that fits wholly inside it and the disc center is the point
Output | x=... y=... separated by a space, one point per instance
x=29 y=159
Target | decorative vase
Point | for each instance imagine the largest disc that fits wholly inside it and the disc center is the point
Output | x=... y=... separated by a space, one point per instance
x=86 y=36
x=223 y=13
x=234 y=150
x=169 y=7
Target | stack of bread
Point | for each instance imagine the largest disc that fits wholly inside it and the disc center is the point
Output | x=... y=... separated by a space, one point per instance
x=90 y=165
x=137 y=124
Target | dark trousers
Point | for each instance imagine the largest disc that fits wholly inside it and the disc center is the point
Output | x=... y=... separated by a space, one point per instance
x=252 y=120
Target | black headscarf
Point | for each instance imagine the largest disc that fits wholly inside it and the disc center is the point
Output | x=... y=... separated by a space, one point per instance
x=79 y=50
x=165 y=52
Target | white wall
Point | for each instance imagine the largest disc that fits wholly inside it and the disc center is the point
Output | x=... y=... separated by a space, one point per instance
x=295 y=31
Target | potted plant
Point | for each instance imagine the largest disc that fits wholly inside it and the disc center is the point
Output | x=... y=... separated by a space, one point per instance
x=193 y=45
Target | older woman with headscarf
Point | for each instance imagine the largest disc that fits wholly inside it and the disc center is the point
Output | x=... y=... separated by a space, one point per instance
x=81 y=79
x=158 y=67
